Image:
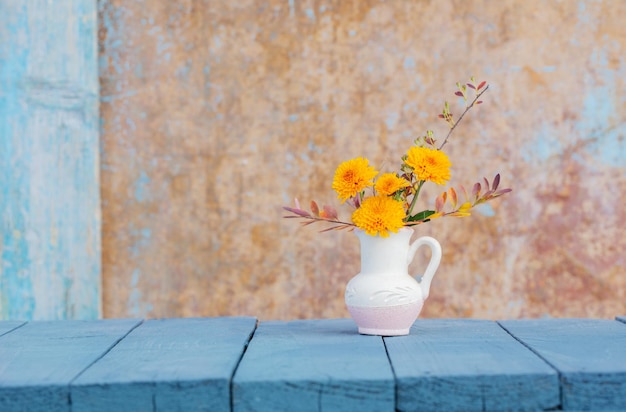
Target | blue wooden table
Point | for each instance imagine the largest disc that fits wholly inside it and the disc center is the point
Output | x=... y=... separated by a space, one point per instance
x=237 y=363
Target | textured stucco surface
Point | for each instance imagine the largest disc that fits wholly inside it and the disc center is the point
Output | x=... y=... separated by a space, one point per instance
x=214 y=114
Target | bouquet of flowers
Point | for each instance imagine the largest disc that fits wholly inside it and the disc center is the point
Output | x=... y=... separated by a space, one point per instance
x=386 y=202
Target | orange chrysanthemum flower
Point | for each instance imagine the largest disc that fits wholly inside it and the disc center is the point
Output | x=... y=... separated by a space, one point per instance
x=390 y=183
x=429 y=164
x=352 y=176
x=379 y=215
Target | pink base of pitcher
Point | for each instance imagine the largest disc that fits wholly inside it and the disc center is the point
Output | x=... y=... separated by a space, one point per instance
x=386 y=321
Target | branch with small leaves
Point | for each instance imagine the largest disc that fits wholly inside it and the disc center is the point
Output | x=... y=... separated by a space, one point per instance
x=461 y=210
x=446 y=114
x=327 y=214
x=463 y=92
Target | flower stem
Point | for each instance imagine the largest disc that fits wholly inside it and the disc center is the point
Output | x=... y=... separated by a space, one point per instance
x=415 y=196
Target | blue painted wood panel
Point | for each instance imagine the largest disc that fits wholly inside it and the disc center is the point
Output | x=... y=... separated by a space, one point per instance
x=313 y=365
x=8 y=326
x=167 y=365
x=590 y=355
x=188 y=364
x=39 y=360
x=49 y=160
x=468 y=365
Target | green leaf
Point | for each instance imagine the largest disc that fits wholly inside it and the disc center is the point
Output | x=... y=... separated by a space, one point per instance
x=418 y=217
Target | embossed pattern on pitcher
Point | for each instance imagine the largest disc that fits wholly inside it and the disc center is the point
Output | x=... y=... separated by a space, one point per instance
x=398 y=295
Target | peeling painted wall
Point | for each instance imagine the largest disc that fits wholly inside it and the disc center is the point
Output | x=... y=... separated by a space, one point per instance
x=214 y=114
x=49 y=160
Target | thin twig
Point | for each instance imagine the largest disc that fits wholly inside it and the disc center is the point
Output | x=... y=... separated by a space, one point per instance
x=314 y=219
x=461 y=117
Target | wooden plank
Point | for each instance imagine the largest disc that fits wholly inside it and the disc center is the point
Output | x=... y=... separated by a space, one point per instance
x=590 y=355
x=172 y=364
x=8 y=326
x=49 y=160
x=468 y=365
x=39 y=360
x=312 y=365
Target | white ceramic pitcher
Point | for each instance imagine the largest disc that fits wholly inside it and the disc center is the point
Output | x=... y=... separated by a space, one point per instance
x=383 y=299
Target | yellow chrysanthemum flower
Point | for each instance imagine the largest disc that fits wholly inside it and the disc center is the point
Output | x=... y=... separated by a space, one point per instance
x=429 y=164
x=379 y=215
x=352 y=176
x=390 y=183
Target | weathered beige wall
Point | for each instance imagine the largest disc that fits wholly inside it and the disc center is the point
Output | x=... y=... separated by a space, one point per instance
x=216 y=113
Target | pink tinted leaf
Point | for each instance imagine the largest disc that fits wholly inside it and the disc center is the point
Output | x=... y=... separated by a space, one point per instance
x=315 y=208
x=465 y=196
x=486 y=183
x=330 y=212
x=502 y=192
x=439 y=203
x=298 y=212
x=471 y=86
x=481 y=85
x=476 y=191
x=496 y=182
x=479 y=102
x=297 y=203
x=459 y=94
x=453 y=197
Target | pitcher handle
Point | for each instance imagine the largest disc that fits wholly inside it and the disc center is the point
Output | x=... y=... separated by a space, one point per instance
x=435 y=259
